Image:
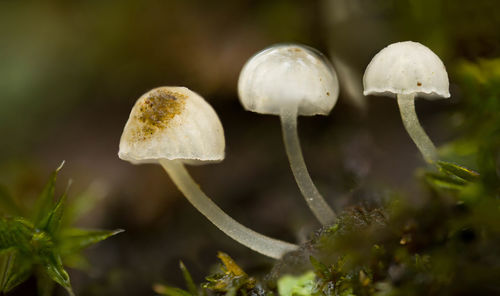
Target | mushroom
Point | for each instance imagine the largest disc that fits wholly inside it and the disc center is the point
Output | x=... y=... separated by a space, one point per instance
x=173 y=126
x=408 y=70
x=290 y=80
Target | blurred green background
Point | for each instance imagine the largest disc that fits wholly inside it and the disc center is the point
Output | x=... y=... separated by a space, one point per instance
x=71 y=70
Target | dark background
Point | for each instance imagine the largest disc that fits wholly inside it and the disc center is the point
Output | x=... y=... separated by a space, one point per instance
x=70 y=72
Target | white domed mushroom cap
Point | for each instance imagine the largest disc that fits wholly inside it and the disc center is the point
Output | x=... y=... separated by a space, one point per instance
x=288 y=76
x=172 y=123
x=406 y=68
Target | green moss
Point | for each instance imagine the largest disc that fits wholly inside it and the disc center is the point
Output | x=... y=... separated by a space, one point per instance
x=39 y=241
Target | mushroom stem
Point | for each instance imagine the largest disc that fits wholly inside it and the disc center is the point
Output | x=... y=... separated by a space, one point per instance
x=314 y=200
x=262 y=244
x=410 y=121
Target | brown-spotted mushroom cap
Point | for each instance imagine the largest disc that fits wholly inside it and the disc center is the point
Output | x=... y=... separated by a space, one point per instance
x=172 y=123
x=406 y=68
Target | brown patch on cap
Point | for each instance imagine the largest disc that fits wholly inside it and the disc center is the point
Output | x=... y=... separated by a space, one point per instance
x=295 y=49
x=419 y=84
x=155 y=111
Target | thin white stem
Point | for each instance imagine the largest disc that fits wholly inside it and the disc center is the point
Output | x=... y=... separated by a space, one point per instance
x=245 y=236
x=314 y=200
x=410 y=121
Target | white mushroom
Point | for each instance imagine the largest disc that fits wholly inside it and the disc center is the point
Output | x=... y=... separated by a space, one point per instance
x=290 y=80
x=408 y=70
x=172 y=126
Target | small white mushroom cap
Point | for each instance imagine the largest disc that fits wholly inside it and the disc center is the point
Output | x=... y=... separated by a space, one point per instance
x=288 y=76
x=406 y=68
x=172 y=123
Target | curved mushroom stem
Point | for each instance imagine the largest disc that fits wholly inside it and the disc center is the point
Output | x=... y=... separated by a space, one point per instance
x=245 y=236
x=410 y=121
x=314 y=200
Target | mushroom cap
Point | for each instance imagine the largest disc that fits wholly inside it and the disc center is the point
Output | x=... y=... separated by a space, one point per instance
x=406 y=68
x=172 y=123
x=288 y=76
